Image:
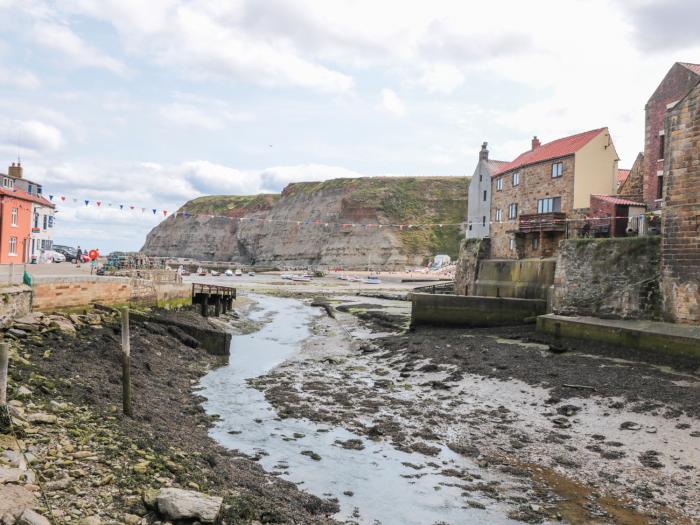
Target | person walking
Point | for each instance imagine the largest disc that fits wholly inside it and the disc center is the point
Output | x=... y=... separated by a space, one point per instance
x=78 y=256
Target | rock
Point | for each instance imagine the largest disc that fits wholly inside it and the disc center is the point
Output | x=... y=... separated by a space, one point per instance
x=178 y=504
x=23 y=392
x=150 y=498
x=63 y=324
x=568 y=410
x=561 y=422
x=11 y=475
x=90 y=520
x=33 y=318
x=42 y=418
x=29 y=517
x=59 y=484
x=82 y=454
x=131 y=519
x=14 y=499
x=630 y=425
x=16 y=332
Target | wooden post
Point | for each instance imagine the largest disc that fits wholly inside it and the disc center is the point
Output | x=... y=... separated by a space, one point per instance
x=126 y=363
x=217 y=305
x=204 y=305
x=4 y=409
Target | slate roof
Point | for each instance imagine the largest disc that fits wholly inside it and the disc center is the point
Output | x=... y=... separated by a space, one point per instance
x=695 y=68
x=551 y=150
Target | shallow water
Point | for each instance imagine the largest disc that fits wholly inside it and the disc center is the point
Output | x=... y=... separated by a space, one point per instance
x=380 y=495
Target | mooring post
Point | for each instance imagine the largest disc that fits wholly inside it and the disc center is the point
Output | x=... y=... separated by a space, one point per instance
x=204 y=305
x=217 y=305
x=5 y=420
x=126 y=363
x=224 y=304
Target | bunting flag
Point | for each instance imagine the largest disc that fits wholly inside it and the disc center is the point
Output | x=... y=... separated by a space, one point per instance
x=63 y=198
x=87 y=202
x=98 y=203
x=51 y=197
x=121 y=206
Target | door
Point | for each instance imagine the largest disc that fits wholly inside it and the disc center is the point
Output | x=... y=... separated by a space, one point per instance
x=621 y=219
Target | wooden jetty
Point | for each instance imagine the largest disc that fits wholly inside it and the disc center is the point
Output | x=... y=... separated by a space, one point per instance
x=220 y=297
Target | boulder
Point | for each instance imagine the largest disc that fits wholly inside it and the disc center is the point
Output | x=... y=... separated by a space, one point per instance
x=63 y=324
x=15 y=499
x=29 y=517
x=43 y=418
x=11 y=475
x=33 y=318
x=179 y=504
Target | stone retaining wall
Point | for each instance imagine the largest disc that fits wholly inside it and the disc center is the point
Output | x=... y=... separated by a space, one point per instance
x=471 y=251
x=15 y=301
x=613 y=278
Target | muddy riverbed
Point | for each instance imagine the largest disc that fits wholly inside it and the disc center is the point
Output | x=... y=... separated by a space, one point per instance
x=457 y=426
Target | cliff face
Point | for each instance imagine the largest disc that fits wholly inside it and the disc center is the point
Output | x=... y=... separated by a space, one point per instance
x=344 y=222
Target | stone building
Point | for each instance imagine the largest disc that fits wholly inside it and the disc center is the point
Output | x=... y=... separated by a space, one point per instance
x=479 y=202
x=680 y=249
x=679 y=80
x=535 y=197
x=632 y=186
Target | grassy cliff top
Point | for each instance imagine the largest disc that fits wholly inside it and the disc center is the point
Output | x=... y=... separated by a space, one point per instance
x=225 y=204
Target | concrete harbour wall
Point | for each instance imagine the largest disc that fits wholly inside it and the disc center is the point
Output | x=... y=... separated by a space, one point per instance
x=458 y=310
x=523 y=278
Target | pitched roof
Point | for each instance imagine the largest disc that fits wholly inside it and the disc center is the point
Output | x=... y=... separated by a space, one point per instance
x=23 y=195
x=613 y=199
x=622 y=176
x=552 y=150
x=495 y=165
x=695 y=68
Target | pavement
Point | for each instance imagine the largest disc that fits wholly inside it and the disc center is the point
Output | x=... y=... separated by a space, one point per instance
x=12 y=273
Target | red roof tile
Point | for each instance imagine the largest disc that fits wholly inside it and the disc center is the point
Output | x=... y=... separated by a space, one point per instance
x=695 y=68
x=613 y=199
x=495 y=165
x=622 y=176
x=23 y=195
x=552 y=150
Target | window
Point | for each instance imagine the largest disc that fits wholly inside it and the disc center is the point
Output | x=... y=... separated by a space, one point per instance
x=6 y=182
x=511 y=244
x=46 y=221
x=549 y=205
x=29 y=190
x=662 y=145
x=14 y=217
x=484 y=195
x=50 y=221
x=481 y=177
x=535 y=243
x=43 y=244
x=516 y=178
x=483 y=220
x=499 y=184
x=36 y=220
x=557 y=169
x=499 y=214
x=38 y=190
x=13 y=246
x=659 y=187
x=513 y=211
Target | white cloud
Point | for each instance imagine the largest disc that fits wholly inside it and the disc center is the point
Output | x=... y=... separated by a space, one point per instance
x=190 y=117
x=273 y=180
x=19 y=78
x=30 y=135
x=391 y=103
x=442 y=78
x=80 y=54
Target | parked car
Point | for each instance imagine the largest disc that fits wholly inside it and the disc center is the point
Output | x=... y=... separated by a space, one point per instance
x=48 y=256
x=68 y=252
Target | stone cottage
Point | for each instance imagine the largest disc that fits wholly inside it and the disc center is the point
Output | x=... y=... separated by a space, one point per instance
x=479 y=207
x=536 y=198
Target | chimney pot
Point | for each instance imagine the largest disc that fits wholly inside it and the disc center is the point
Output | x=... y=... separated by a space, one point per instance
x=484 y=153
x=535 y=143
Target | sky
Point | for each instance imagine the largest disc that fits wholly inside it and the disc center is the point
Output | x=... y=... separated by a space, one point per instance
x=150 y=104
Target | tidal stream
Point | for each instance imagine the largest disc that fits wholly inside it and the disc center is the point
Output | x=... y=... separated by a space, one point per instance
x=375 y=485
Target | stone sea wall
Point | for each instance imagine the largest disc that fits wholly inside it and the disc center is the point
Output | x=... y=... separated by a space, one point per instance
x=614 y=278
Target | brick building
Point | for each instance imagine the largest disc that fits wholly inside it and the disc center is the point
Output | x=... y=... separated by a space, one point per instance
x=679 y=80
x=479 y=208
x=534 y=197
x=680 y=251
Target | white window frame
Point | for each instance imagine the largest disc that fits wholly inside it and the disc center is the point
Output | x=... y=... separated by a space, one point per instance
x=499 y=215
x=546 y=205
x=499 y=184
x=512 y=211
x=515 y=179
x=511 y=244
x=13 y=246
x=13 y=217
x=557 y=169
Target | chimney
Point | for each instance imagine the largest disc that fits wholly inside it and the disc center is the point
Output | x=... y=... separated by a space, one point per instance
x=15 y=170
x=484 y=153
x=535 y=143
